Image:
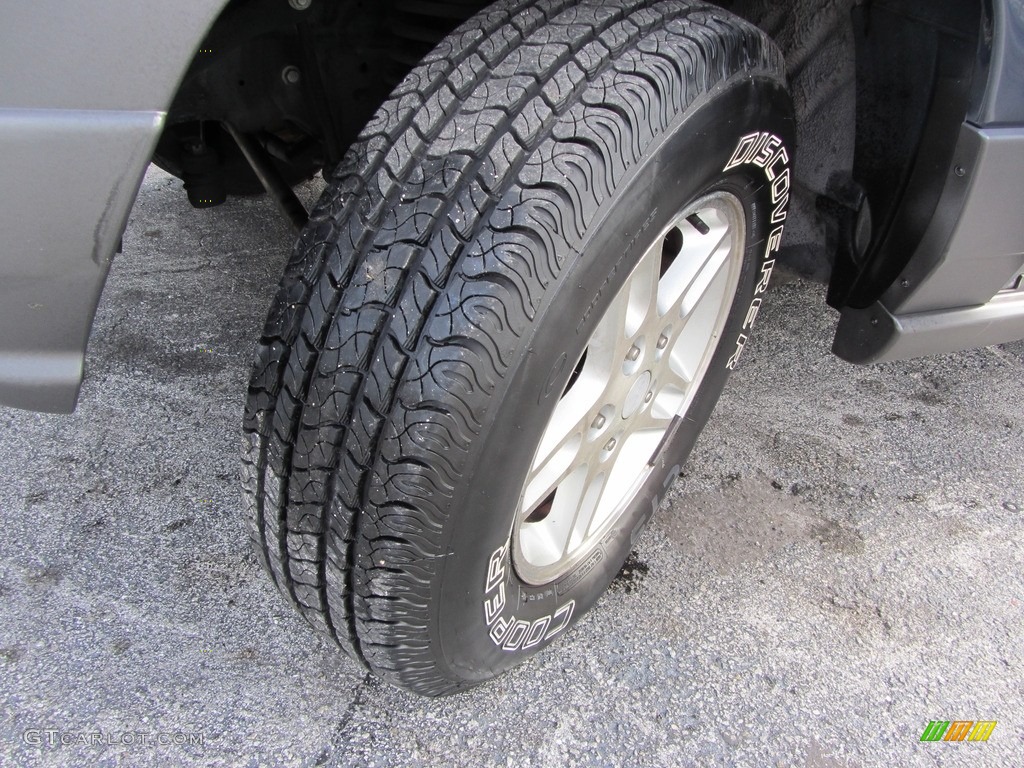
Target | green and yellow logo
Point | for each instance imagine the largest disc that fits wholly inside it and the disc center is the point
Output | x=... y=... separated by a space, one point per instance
x=958 y=730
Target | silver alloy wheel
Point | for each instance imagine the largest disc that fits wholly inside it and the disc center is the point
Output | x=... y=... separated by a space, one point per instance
x=639 y=372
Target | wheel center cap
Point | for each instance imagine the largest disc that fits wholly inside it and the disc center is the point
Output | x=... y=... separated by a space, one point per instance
x=636 y=395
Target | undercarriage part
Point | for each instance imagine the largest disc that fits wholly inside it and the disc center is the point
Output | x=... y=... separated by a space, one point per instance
x=223 y=163
x=269 y=176
x=201 y=168
x=250 y=71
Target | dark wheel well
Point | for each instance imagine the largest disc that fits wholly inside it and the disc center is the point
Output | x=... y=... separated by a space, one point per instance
x=302 y=78
x=880 y=89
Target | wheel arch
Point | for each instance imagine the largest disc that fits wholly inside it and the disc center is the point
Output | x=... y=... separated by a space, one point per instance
x=89 y=117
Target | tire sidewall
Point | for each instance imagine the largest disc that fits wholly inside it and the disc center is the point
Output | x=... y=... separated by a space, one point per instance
x=487 y=618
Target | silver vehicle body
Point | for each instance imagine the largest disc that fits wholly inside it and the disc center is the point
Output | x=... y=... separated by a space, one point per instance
x=82 y=102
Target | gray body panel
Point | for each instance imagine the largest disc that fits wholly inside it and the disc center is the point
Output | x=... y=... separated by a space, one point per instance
x=79 y=116
x=897 y=337
x=108 y=55
x=68 y=179
x=951 y=295
x=985 y=248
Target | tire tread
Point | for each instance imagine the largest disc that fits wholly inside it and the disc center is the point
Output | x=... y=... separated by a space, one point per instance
x=437 y=238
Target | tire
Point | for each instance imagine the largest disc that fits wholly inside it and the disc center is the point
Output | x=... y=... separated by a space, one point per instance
x=449 y=294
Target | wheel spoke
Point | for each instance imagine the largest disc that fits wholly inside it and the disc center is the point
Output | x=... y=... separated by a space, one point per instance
x=700 y=308
x=711 y=268
x=667 y=404
x=684 y=277
x=559 y=455
x=608 y=484
x=588 y=502
x=546 y=541
x=609 y=344
x=636 y=453
x=633 y=306
x=642 y=290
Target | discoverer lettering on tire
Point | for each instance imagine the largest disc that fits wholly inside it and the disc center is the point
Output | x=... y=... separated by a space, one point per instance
x=764 y=150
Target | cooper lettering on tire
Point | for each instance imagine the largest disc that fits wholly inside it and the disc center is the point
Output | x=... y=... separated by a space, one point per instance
x=509 y=317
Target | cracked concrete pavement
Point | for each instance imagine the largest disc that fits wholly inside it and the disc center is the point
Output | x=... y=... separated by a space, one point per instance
x=841 y=562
